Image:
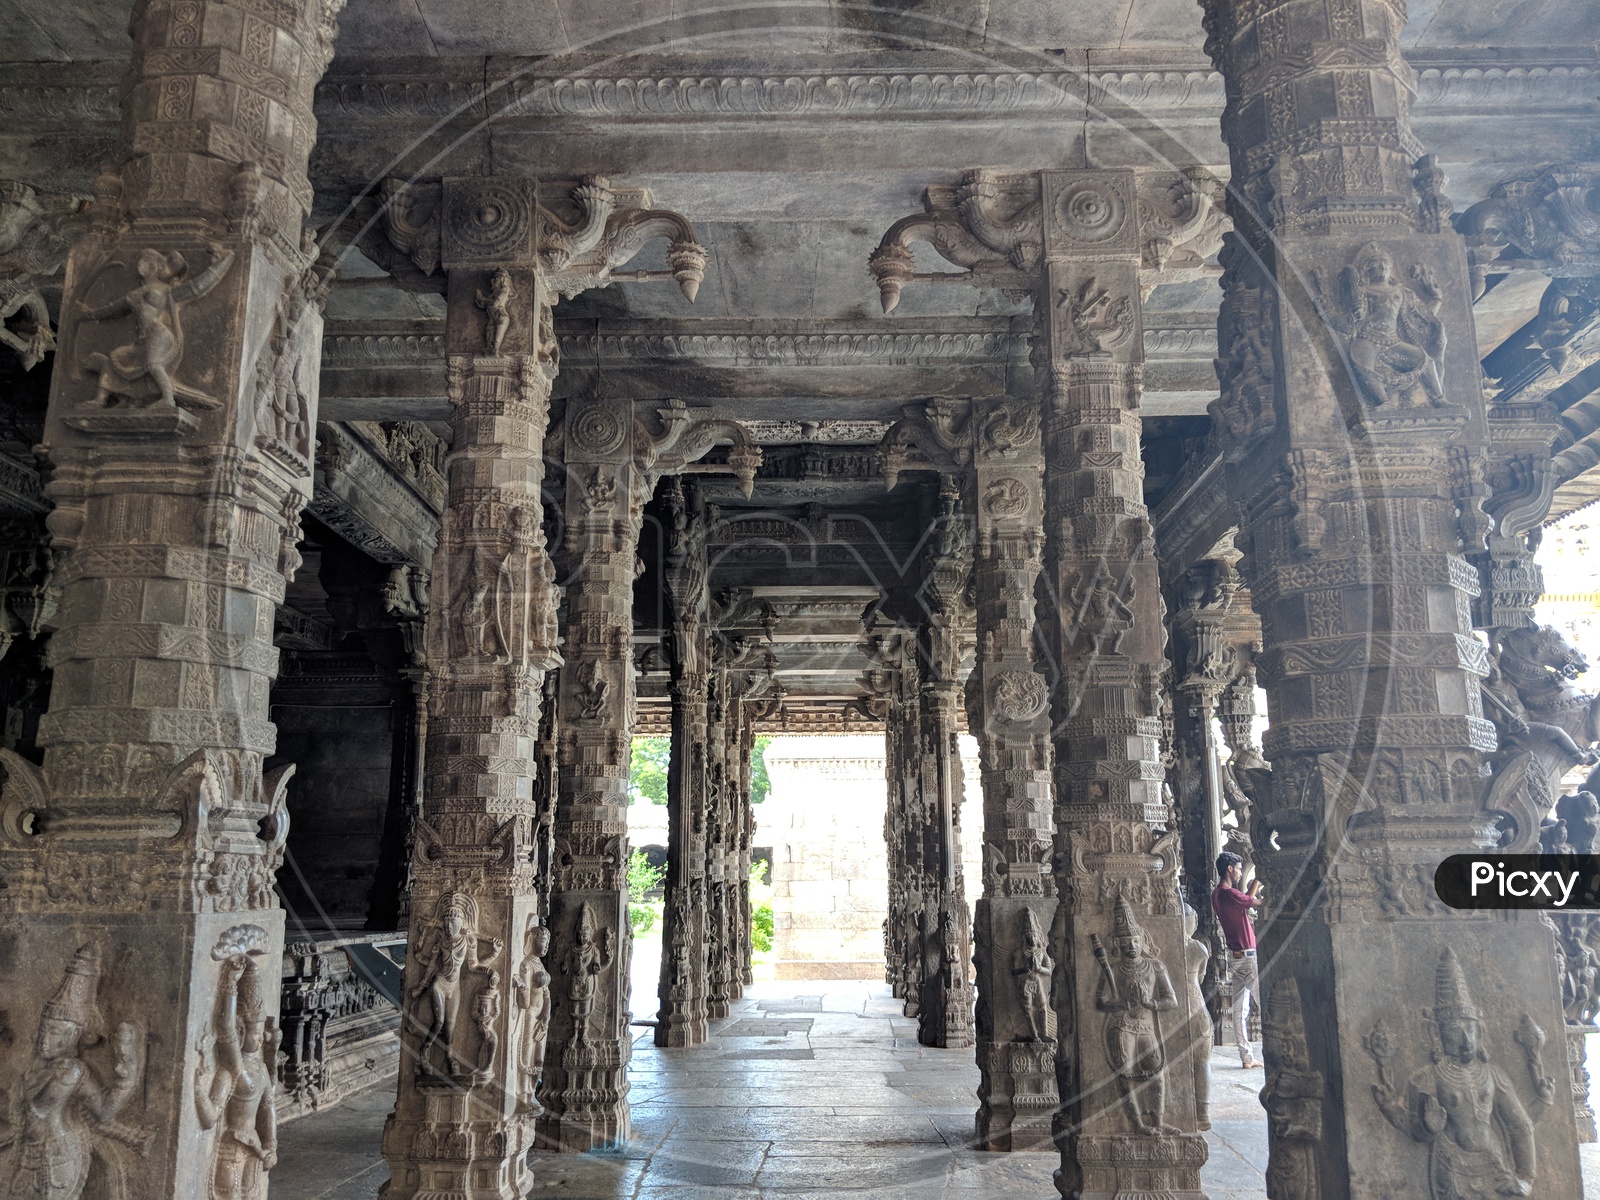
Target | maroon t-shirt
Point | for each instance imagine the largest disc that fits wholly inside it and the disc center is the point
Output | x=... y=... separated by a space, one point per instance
x=1233 y=908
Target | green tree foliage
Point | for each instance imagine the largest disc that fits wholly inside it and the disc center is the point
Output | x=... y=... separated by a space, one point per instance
x=760 y=785
x=647 y=769
x=642 y=879
x=760 y=909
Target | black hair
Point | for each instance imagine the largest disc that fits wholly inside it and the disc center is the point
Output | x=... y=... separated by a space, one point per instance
x=1226 y=861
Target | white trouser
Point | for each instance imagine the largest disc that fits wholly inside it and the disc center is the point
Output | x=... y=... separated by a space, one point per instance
x=1246 y=988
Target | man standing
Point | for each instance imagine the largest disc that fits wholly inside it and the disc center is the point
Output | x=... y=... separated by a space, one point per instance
x=1232 y=907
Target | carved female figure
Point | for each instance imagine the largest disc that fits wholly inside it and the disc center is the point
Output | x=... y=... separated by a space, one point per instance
x=1031 y=966
x=531 y=989
x=63 y=1114
x=239 y=1095
x=1395 y=336
x=448 y=948
x=1196 y=954
x=1133 y=992
x=157 y=346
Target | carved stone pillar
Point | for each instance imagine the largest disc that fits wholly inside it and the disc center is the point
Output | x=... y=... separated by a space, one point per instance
x=893 y=680
x=479 y=1000
x=1352 y=397
x=463 y=1118
x=143 y=938
x=1129 y=1093
x=947 y=994
x=682 y=1020
x=1008 y=703
x=744 y=830
x=721 y=969
x=586 y=1104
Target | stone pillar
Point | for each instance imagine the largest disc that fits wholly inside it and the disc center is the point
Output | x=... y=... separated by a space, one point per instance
x=947 y=995
x=464 y=1115
x=1008 y=704
x=1129 y=1097
x=892 y=679
x=720 y=967
x=1352 y=398
x=745 y=827
x=481 y=1005
x=587 y=1065
x=682 y=1020
x=143 y=937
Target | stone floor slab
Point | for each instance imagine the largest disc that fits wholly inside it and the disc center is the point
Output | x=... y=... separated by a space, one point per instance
x=868 y=1114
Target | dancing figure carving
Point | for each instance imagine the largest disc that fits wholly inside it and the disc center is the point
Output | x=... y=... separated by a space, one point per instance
x=237 y=1099
x=134 y=370
x=1392 y=330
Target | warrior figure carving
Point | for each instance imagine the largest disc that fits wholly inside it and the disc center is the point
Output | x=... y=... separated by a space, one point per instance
x=238 y=1096
x=1134 y=992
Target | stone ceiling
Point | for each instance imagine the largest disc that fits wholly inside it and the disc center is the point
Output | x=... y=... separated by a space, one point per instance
x=793 y=136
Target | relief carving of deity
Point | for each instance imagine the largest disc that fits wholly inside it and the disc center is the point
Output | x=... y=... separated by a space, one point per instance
x=1464 y=1108
x=448 y=950
x=531 y=989
x=1031 y=967
x=1392 y=330
x=63 y=1132
x=1134 y=991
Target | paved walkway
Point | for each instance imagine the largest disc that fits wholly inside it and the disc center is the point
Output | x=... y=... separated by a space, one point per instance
x=807 y=1090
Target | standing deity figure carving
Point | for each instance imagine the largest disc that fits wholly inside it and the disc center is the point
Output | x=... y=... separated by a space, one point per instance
x=1197 y=1045
x=1466 y=1109
x=531 y=988
x=131 y=371
x=586 y=959
x=1032 y=966
x=1392 y=328
x=237 y=1099
x=63 y=1130
x=449 y=951
x=1134 y=991
x=496 y=305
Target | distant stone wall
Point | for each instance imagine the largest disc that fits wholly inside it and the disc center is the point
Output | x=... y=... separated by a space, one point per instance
x=824 y=822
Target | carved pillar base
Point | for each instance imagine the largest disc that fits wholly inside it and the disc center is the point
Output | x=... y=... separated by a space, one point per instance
x=588 y=1109
x=1017 y=1095
x=453 y=1151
